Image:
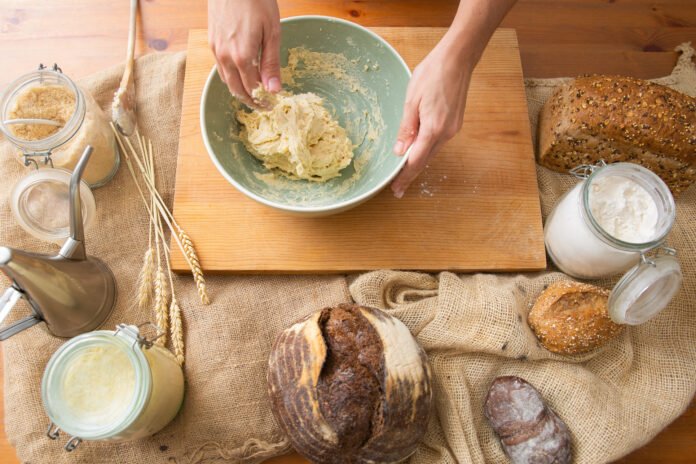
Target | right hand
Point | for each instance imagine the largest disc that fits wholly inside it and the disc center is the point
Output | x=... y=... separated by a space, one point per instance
x=239 y=31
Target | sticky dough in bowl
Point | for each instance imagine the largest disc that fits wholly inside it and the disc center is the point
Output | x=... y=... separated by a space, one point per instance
x=362 y=80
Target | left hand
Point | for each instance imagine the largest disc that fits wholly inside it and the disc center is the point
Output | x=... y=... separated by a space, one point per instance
x=434 y=109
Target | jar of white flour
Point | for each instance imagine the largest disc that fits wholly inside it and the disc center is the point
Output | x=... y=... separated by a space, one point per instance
x=617 y=220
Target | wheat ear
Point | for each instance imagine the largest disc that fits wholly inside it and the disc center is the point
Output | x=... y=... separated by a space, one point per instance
x=175 y=323
x=196 y=270
x=177 y=331
x=160 y=205
x=161 y=312
x=145 y=279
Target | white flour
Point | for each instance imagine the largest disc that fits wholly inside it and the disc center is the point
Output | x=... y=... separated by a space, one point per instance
x=624 y=209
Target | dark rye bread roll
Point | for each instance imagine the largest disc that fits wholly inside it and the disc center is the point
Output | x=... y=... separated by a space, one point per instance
x=350 y=384
x=529 y=431
x=620 y=119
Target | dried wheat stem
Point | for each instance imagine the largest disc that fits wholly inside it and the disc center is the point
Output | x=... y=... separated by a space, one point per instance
x=166 y=215
x=192 y=256
x=177 y=331
x=150 y=211
x=160 y=284
x=175 y=322
x=146 y=279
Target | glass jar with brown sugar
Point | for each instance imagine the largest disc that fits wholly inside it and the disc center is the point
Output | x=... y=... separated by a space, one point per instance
x=71 y=121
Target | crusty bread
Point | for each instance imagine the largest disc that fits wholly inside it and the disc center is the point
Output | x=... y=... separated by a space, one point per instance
x=350 y=384
x=571 y=318
x=620 y=119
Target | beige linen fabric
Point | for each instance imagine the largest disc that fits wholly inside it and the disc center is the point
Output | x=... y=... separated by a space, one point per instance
x=472 y=326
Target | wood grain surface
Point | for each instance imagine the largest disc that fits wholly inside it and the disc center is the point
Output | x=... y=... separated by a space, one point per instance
x=475 y=207
x=556 y=37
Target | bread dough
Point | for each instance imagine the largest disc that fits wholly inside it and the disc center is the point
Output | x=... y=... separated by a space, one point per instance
x=296 y=135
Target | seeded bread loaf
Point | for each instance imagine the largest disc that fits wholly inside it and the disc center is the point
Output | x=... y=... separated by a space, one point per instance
x=572 y=318
x=620 y=119
x=350 y=384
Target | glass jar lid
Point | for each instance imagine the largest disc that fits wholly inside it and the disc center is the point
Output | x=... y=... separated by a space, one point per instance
x=96 y=385
x=645 y=290
x=40 y=203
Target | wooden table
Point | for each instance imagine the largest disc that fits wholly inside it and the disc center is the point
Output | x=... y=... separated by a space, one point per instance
x=557 y=38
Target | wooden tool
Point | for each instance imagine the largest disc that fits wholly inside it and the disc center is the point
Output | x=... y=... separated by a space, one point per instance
x=123 y=106
x=475 y=208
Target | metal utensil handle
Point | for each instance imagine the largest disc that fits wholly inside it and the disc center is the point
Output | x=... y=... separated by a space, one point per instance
x=8 y=300
x=74 y=246
x=44 y=122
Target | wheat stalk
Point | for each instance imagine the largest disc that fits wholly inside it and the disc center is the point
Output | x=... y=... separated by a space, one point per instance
x=145 y=279
x=190 y=253
x=160 y=297
x=159 y=205
x=146 y=276
x=177 y=331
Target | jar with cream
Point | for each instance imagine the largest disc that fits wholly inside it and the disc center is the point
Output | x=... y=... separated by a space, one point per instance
x=77 y=121
x=608 y=224
x=107 y=385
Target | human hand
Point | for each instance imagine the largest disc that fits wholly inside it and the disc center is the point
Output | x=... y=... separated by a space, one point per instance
x=434 y=109
x=239 y=32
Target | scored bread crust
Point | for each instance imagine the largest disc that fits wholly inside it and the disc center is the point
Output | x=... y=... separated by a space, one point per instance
x=620 y=119
x=302 y=386
x=572 y=318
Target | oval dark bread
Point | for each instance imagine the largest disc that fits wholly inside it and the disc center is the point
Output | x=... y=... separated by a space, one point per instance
x=350 y=384
x=529 y=431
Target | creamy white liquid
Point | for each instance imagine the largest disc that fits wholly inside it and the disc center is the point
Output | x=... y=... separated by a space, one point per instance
x=623 y=209
x=99 y=385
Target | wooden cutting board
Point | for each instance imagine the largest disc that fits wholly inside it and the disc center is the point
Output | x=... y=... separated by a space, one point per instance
x=475 y=208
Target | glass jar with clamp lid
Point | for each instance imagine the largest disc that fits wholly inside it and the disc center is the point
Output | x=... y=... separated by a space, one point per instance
x=51 y=120
x=111 y=385
x=616 y=220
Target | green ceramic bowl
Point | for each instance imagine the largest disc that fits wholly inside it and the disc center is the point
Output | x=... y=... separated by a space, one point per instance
x=375 y=100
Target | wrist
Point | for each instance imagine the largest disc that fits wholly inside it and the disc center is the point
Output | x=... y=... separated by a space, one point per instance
x=461 y=47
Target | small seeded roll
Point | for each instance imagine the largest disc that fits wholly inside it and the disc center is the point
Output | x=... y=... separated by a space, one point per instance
x=350 y=384
x=571 y=318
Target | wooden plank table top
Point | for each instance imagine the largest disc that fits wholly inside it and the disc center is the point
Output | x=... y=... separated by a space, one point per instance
x=556 y=37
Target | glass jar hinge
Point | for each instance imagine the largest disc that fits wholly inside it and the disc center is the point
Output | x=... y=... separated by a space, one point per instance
x=584 y=170
x=53 y=432
x=134 y=333
x=54 y=68
x=661 y=250
x=30 y=158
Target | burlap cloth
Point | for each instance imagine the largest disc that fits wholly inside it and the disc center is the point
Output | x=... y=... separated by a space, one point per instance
x=473 y=328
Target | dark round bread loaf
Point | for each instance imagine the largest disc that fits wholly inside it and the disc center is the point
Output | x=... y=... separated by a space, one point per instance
x=350 y=384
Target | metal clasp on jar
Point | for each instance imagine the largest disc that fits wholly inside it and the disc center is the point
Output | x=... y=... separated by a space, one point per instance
x=30 y=157
x=53 y=433
x=662 y=250
x=133 y=332
x=584 y=170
